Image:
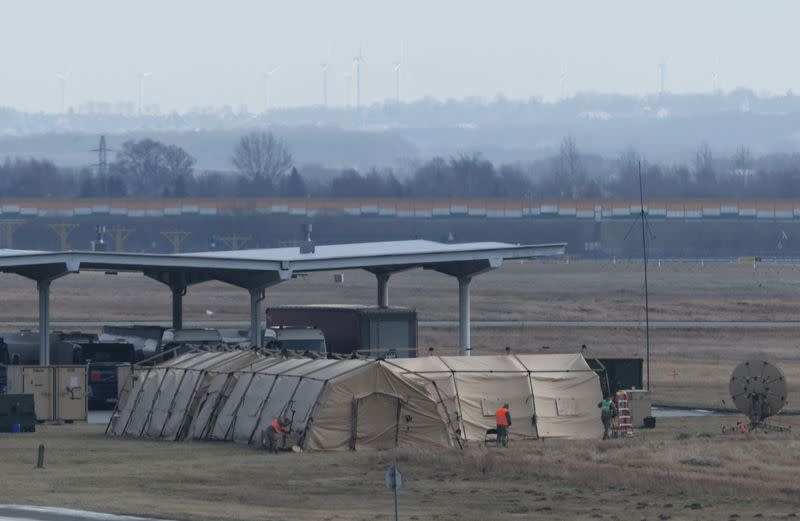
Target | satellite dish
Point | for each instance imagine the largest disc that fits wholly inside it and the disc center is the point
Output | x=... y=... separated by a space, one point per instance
x=758 y=389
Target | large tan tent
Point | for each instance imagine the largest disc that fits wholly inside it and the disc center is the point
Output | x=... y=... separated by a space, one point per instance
x=358 y=404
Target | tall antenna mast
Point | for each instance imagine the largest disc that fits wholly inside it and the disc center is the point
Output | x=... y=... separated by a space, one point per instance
x=662 y=68
x=646 y=294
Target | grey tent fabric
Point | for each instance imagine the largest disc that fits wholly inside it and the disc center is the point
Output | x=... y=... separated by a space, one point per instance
x=359 y=404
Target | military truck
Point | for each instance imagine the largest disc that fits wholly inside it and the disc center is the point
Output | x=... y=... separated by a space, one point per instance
x=369 y=331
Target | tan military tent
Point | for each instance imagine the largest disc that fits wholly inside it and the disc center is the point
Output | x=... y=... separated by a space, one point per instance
x=357 y=404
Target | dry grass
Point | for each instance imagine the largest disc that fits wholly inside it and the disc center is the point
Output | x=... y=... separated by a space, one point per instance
x=530 y=290
x=706 y=465
x=662 y=473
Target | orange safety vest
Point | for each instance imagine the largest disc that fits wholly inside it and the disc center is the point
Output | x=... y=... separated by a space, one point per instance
x=500 y=416
x=276 y=425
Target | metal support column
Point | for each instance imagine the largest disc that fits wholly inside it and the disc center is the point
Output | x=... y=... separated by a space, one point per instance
x=256 y=298
x=177 y=306
x=383 y=289
x=44 y=321
x=463 y=315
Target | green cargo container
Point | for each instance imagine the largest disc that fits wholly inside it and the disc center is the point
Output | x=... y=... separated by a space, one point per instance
x=17 y=408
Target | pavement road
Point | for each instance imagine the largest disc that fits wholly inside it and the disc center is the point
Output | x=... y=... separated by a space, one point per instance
x=656 y=324
x=31 y=513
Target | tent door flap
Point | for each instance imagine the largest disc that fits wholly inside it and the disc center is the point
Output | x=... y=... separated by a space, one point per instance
x=375 y=421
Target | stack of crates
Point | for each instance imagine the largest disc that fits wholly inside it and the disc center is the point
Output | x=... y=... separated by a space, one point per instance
x=624 y=427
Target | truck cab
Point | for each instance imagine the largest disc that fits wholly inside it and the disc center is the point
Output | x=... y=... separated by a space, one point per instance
x=307 y=340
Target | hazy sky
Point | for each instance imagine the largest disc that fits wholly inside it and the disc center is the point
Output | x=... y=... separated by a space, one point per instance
x=204 y=52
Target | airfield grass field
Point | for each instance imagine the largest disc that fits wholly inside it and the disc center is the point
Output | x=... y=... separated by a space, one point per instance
x=684 y=469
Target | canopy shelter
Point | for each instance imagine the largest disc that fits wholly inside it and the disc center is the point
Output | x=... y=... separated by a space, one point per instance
x=358 y=404
x=256 y=270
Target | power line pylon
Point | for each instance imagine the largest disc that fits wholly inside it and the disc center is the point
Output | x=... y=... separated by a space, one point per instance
x=63 y=230
x=234 y=242
x=176 y=238
x=9 y=227
x=120 y=234
x=102 y=157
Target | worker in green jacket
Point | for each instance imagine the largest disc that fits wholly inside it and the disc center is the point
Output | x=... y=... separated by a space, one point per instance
x=607 y=412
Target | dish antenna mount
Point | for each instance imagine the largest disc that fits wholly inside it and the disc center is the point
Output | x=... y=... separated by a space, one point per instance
x=758 y=389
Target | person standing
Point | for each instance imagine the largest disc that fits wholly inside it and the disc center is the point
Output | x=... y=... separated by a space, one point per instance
x=607 y=412
x=503 y=422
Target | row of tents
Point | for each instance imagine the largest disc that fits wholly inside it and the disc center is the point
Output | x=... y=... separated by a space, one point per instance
x=358 y=404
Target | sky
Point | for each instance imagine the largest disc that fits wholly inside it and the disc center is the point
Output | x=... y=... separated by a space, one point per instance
x=214 y=53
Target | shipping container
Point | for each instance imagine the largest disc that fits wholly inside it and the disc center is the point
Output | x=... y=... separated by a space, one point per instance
x=617 y=374
x=59 y=392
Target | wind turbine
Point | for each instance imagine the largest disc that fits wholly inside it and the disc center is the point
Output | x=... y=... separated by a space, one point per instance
x=662 y=70
x=563 y=80
x=142 y=76
x=63 y=78
x=357 y=61
x=324 y=67
x=397 y=66
x=267 y=79
x=715 y=74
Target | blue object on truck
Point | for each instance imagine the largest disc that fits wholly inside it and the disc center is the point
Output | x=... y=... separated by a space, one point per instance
x=103 y=360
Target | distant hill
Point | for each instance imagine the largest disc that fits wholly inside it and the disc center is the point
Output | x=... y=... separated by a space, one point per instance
x=662 y=127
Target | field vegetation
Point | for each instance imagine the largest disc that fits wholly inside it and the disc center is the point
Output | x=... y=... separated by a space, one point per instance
x=684 y=469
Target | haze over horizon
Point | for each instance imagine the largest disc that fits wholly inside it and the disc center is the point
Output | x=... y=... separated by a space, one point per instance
x=206 y=54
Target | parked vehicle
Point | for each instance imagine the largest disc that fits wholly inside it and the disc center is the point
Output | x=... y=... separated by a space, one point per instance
x=4 y=361
x=370 y=331
x=306 y=340
x=178 y=341
x=146 y=340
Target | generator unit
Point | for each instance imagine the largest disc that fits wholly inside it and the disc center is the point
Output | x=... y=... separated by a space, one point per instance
x=17 y=409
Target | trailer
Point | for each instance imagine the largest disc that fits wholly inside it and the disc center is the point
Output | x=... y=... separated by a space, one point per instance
x=368 y=331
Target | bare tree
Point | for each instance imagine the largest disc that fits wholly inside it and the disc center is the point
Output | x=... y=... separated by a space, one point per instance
x=262 y=157
x=570 y=170
x=704 y=174
x=177 y=162
x=150 y=167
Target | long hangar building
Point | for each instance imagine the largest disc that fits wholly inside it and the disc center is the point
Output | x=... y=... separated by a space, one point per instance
x=257 y=270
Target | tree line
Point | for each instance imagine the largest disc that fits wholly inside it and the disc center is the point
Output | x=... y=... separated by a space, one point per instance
x=263 y=167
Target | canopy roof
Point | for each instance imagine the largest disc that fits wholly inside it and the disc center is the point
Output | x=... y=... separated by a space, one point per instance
x=389 y=255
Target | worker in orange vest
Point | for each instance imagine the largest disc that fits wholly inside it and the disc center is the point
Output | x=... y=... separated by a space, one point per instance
x=503 y=421
x=270 y=438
